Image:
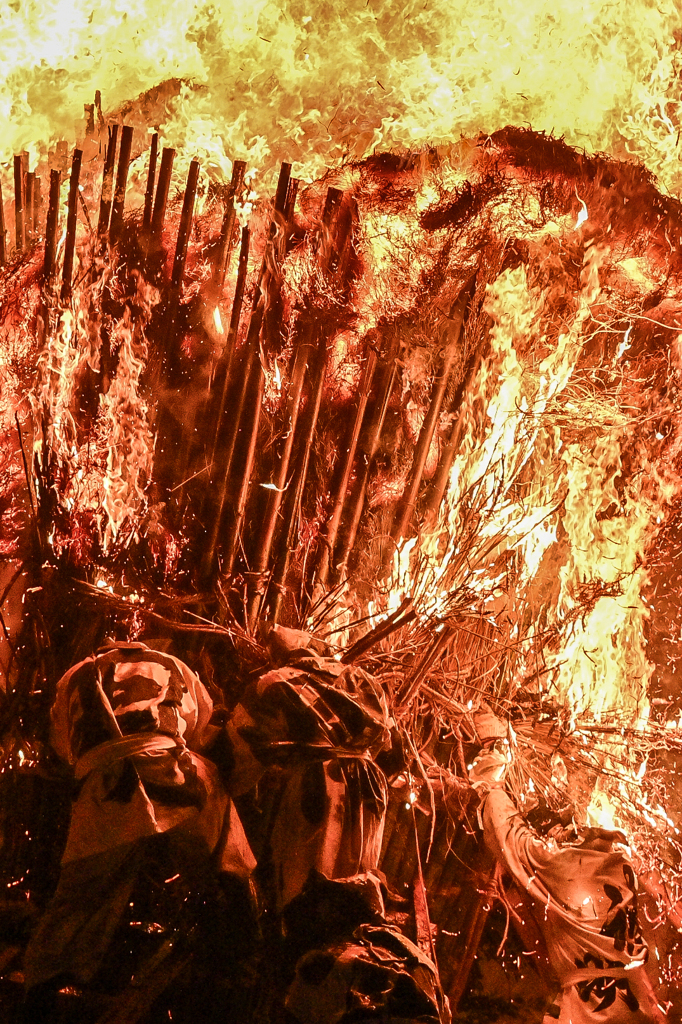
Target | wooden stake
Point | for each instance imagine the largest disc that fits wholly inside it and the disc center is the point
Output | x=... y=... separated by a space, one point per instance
x=107 y=182
x=163 y=185
x=222 y=255
x=151 y=179
x=19 y=226
x=51 y=228
x=121 y=182
x=185 y=226
x=71 y=219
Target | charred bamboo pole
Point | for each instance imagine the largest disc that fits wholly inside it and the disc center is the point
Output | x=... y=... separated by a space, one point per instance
x=121 y=182
x=405 y=507
x=247 y=417
x=293 y=507
x=151 y=181
x=107 y=182
x=331 y=528
x=368 y=450
x=162 y=189
x=19 y=224
x=277 y=485
x=307 y=341
x=30 y=206
x=223 y=412
x=442 y=475
x=238 y=300
x=185 y=226
x=71 y=221
x=3 y=232
x=51 y=229
x=222 y=256
x=256 y=391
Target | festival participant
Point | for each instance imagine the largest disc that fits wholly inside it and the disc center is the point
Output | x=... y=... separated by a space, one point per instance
x=580 y=889
x=151 y=819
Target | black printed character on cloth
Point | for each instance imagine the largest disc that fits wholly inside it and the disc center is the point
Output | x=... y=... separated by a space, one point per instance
x=130 y=721
x=582 y=897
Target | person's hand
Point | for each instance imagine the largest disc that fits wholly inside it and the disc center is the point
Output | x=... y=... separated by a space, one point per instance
x=489 y=768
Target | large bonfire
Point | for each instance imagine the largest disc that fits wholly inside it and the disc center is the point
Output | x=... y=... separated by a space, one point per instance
x=423 y=408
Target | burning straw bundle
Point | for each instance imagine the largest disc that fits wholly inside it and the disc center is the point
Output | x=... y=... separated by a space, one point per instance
x=423 y=409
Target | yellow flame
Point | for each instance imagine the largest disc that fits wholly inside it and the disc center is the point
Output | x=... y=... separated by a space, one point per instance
x=265 y=81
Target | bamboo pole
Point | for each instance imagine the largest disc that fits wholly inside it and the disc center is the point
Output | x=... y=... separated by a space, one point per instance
x=222 y=255
x=29 y=184
x=368 y=449
x=223 y=412
x=237 y=302
x=107 y=182
x=3 y=232
x=293 y=505
x=405 y=508
x=330 y=531
x=121 y=182
x=162 y=188
x=19 y=225
x=71 y=220
x=51 y=228
x=185 y=226
x=442 y=475
x=151 y=181
x=307 y=341
x=256 y=391
x=247 y=418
